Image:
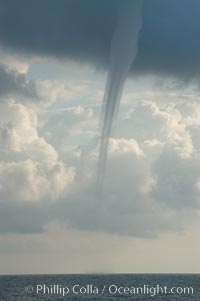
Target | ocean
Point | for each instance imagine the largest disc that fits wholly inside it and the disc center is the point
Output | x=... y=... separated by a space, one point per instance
x=100 y=287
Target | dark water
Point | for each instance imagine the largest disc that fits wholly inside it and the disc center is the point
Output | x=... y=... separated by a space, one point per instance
x=100 y=287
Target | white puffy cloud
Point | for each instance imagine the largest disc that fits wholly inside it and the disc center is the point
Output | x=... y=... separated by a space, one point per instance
x=126 y=205
x=53 y=90
x=30 y=169
x=165 y=123
x=152 y=179
x=74 y=123
x=39 y=93
x=30 y=180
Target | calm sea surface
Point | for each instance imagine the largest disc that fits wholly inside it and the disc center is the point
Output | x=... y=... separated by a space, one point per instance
x=100 y=287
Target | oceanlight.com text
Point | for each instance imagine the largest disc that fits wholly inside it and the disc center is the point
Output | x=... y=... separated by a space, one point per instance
x=107 y=289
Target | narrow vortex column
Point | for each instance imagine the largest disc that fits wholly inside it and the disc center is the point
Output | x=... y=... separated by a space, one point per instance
x=124 y=46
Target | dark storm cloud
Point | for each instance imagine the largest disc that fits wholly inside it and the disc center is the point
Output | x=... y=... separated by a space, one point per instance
x=169 y=41
x=74 y=28
x=13 y=83
x=82 y=30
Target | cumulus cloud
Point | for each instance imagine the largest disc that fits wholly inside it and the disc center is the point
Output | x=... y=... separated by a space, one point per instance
x=137 y=200
x=169 y=125
x=40 y=93
x=151 y=184
x=30 y=169
x=152 y=180
x=71 y=122
x=50 y=91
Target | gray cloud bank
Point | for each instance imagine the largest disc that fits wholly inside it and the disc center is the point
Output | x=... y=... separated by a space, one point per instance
x=82 y=30
x=14 y=83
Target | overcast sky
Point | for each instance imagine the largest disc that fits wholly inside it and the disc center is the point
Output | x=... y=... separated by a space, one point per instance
x=53 y=66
